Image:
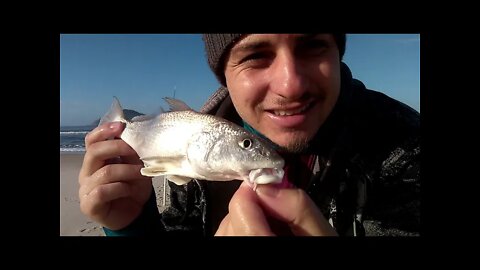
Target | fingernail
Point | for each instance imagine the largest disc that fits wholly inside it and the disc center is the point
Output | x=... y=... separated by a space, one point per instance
x=114 y=125
x=267 y=190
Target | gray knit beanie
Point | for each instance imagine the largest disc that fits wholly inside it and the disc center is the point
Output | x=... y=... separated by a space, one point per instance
x=216 y=46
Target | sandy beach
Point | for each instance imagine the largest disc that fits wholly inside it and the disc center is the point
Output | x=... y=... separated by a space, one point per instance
x=72 y=221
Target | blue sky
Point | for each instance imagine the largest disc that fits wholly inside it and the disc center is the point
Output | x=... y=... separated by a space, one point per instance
x=141 y=69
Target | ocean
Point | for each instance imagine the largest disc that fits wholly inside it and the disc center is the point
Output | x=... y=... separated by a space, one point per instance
x=72 y=138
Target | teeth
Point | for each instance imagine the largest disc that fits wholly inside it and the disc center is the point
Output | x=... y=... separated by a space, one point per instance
x=266 y=176
x=290 y=112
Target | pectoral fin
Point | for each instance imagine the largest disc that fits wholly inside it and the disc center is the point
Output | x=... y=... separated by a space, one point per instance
x=179 y=180
x=156 y=166
x=163 y=159
x=152 y=171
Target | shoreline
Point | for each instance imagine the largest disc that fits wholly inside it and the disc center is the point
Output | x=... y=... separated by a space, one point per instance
x=72 y=221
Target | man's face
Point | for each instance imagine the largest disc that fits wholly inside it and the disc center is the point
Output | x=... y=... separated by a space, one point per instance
x=284 y=86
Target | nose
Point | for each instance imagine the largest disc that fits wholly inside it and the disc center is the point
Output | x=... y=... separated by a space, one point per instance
x=287 y=78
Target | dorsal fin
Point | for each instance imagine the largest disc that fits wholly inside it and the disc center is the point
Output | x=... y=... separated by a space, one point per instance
x=177 y=105
x=114 y=114
x=141 y=118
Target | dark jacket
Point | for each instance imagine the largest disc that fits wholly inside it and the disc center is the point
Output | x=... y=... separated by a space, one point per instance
x=366 y=178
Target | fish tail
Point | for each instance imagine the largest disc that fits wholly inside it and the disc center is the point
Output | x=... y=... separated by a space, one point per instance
x=115 y=114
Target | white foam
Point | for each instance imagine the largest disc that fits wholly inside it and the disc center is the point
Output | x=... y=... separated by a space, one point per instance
x=76 y=149
x=73 y=132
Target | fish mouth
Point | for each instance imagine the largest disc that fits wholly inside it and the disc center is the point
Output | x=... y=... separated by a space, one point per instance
x=266 y=176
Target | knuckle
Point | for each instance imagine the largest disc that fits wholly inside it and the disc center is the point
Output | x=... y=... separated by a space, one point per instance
x=118 y=146
x=91 y=151
x=82 y=191
x=302 y=199
x=85 y=208
x=83 y=176
x=107 y=172
x=98 y=194
x=94 y=135
x=88 y=137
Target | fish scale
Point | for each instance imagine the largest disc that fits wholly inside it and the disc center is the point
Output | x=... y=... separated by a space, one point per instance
x=184 y=145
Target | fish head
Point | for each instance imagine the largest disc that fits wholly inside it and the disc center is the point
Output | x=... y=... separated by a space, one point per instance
x=236 y=154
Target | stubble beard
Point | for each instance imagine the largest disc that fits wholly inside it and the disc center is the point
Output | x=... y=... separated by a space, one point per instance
x=297 y=145
x=299 y=141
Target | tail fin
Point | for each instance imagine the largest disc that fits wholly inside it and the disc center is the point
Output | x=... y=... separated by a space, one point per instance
x=114 y=114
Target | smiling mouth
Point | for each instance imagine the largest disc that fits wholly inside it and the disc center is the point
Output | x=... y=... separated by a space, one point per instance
x=299 y=110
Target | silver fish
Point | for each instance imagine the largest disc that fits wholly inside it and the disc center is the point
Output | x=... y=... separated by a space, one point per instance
x=183 y=144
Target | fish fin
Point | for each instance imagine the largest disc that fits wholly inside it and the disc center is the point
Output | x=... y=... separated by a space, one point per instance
x=141 y=118
x=177 y=105
x=156 y=165
x=114 y=114
x=159 y=160
x=178 y=180
x=152 y=171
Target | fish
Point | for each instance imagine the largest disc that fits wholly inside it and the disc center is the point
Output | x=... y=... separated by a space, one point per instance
x=183 y=144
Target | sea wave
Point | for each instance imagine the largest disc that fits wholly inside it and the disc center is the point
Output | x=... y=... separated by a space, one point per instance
x=69 y=149
x=74 y=132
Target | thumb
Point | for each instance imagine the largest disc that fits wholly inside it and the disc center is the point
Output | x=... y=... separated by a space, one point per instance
x=245 y=214
x=294 y=207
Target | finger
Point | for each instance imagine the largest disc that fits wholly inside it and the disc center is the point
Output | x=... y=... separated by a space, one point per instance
x=132 y=159
x=96 y=203
x=222 y=229
x=112 y=173
x=226 y=228
x=99 y=152
x=294 y=206
x=103 y=132
x=99 y=134
x=229 y=231
x=246 y=215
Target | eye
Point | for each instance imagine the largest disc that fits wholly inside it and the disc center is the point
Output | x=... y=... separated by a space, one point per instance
x=316 y=44
x=253 y=56
x=257 y=59
x=313 y=47
x=245 y=143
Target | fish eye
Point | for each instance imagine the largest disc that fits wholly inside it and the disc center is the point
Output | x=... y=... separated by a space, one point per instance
x=245 y=143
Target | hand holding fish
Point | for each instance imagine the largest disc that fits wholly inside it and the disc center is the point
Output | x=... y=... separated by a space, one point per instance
x=111 y=194
x=251 y=213
x=183 y=144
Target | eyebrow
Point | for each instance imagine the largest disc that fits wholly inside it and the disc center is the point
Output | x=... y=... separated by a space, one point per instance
x=256 y=45
x=306 y=37
x=250 y=46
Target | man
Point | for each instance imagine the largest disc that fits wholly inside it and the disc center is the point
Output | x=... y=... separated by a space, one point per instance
x=352 y=154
